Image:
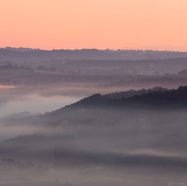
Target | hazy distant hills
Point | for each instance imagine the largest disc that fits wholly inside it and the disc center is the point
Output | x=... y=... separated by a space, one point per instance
x=126 y=66
x=93 y=63
x=28 y=55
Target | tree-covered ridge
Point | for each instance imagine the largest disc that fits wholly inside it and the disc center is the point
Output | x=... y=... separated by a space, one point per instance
x=153 y=98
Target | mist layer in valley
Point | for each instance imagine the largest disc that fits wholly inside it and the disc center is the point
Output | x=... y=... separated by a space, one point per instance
x=92 y=117
x=96 y=142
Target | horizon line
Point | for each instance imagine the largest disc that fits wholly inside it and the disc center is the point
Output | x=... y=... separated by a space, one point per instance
x=124 y=49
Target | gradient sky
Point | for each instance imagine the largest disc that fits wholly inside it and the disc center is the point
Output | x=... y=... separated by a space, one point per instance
x=76 y=24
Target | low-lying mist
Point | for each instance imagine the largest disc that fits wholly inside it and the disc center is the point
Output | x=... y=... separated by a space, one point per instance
x=38 y=100
x=96 y=147
x=88 y=146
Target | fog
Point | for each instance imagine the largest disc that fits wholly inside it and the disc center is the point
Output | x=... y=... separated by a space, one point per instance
x=38 y=100
x=96 y=147
x=34 y=103
x=80 y=146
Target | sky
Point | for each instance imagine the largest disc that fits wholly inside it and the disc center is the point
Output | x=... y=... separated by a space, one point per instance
x=101 y=24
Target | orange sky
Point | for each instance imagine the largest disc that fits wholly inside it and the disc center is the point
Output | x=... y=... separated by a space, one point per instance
x=76 y=24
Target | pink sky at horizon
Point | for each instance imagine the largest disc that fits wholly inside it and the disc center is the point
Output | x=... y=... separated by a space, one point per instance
x=101 y=24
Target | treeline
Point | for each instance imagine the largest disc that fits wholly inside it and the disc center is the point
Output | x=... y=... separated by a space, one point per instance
x=35 y=55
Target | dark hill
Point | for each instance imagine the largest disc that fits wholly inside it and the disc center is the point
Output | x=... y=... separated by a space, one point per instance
x=130 y=93
x=168 y=99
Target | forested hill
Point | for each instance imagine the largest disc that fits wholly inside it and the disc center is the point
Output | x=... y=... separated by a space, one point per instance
x=130 y=93
x=164 y=99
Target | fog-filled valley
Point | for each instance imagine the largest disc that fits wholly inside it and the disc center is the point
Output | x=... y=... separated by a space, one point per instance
x=92 y=117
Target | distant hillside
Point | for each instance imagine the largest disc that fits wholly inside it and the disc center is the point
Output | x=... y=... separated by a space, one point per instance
x=125 y=66
x=93 y=62
x=25 y=54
